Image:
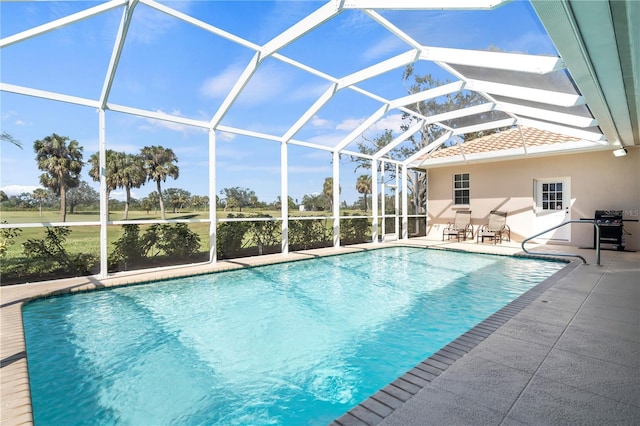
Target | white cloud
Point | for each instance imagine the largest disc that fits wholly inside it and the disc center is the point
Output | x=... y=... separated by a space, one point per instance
x=385 y=47
x=225 y=136
x=328 y=139
x=20 y=123
x=218 y=86
x=391 y=122
x=349 y=124
x=18 y=189
x=268 y=82
x=321 y=122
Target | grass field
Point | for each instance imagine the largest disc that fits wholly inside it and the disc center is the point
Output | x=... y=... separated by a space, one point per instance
x=15 y=266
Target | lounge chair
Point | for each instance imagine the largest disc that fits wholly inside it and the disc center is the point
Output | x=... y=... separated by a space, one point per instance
x=496 y=230
x=461 y=226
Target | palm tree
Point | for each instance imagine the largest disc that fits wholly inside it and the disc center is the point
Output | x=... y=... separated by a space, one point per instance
x=40 y=194
x=123 y=171
x=62 y=164
x=363 y=186
x=110 y=162
x=158 y=164
x=327 y=191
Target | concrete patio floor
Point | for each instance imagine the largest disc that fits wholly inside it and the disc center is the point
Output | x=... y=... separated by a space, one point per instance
x=567 y=352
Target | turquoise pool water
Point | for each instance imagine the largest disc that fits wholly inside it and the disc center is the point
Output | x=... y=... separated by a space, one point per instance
x=291 y=344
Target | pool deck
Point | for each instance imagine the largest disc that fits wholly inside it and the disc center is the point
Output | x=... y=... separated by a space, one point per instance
x=566 y=352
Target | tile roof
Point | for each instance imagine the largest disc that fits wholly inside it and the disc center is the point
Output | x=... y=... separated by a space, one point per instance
x=508 y=139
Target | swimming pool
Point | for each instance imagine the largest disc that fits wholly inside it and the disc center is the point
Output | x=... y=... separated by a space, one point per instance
x=291 y=343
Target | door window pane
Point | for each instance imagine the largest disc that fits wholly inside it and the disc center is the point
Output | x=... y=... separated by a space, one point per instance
x=552 y=196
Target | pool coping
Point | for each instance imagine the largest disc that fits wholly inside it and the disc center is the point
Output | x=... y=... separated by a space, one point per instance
x=15 y=396
x=385 y=401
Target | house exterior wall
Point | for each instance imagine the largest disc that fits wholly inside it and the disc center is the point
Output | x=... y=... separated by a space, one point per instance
x=599 y=181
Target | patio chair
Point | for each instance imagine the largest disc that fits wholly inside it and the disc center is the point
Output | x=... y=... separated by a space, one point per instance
x=496 y=230
x=461 y=226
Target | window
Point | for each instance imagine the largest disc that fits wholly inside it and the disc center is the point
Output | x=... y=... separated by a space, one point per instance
x=461 y=188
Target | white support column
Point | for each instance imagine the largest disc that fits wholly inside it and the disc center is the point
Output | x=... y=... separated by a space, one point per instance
x=383 y=199
x=374 y=201
x=213 y=206
x=104 y=201
x=396 y=204
x=336 y=199
x=405 y=204
x=284 y=196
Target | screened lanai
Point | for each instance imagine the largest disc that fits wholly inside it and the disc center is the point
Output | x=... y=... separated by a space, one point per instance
x=268 y=93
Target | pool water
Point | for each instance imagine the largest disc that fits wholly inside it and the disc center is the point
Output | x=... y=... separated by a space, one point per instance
x=291 y=344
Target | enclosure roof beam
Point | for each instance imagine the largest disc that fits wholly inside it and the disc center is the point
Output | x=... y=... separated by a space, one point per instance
x=547 y=115
x=127 y=14
x=564 y=130
x=526 y=93
x=242 y=81
x=21 y=90
x=493 y=60
x=458 y=113
x=424 y=4
x=443 y=90
x=507 y=122
x=397 y=141
x=362 y=127
x=156 y=115
x=427 y=149
x=309 y=113
x=302 y=27
x=59 y=23
x=380 y=68
x=393 y=29
x=200 y=24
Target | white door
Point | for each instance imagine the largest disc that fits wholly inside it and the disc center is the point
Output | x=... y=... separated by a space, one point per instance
x=552 y=198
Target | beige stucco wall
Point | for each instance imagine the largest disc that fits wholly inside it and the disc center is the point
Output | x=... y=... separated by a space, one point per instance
x=599 y=181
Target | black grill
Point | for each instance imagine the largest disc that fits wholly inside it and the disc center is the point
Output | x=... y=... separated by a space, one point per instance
x=610 y=222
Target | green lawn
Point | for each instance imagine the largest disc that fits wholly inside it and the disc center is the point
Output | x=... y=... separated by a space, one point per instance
x=15 y=267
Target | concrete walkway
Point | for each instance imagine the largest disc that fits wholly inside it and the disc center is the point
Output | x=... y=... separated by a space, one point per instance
x=567 y=352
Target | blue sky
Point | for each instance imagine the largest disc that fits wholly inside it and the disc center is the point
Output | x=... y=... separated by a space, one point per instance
x=173 y=67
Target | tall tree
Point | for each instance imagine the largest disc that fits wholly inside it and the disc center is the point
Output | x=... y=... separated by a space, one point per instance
x=158 y=164
x=62 y=165
x=238 y=197
x=363 y=186
x=327 y=191
x=3 y=196
x=110 y=172
x=83 y=194
x=177 y=198
x=40 y=195
x=122 y=171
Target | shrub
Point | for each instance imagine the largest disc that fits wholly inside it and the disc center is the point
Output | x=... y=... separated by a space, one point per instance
x=229 y=237
x=265 y=233
x=354 y=230
x=7 y=236
x=49 y=253
x=305 y=234
x=127 y=249
x=177 y=241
